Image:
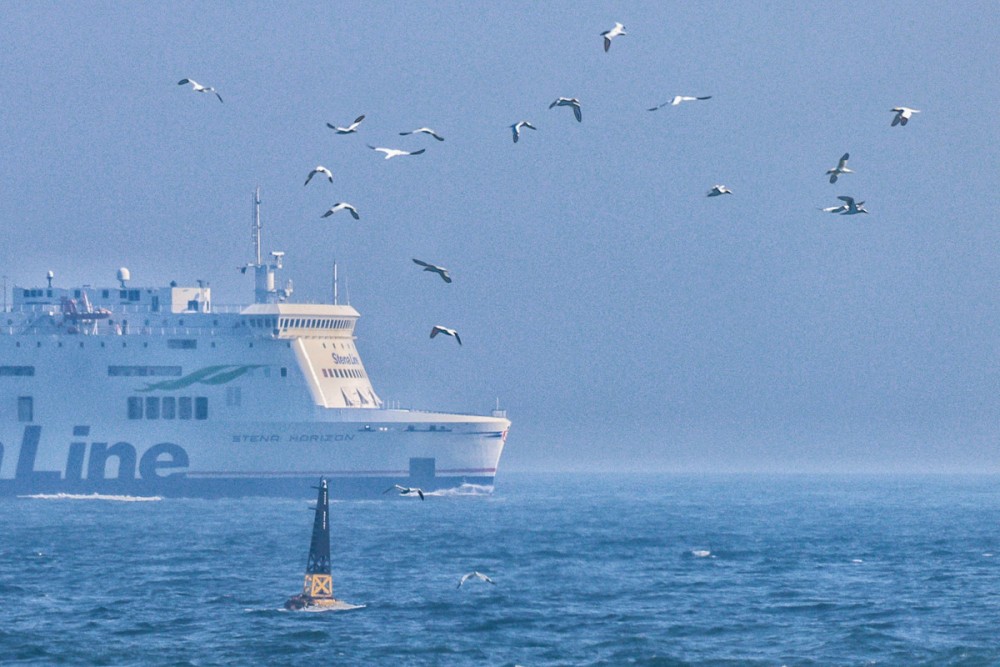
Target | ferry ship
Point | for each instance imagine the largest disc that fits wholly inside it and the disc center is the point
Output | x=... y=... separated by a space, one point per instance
x=154 y=391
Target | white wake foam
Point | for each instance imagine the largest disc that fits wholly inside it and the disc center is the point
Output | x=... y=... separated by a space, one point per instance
x=464 y=490
x=343 y=606
x=92 y=496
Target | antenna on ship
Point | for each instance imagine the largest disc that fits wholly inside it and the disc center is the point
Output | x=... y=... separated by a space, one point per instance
x=264 y=273
x=255 y=229
x=335 y=283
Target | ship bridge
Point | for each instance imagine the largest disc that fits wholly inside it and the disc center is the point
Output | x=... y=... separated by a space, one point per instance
x=322 y=336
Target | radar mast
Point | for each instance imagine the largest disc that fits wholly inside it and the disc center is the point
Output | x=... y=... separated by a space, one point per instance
x=264 y=273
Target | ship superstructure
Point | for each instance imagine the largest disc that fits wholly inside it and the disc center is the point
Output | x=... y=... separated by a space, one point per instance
x=156 y=390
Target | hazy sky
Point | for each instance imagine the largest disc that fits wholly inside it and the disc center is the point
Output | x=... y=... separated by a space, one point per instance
x=624 y=319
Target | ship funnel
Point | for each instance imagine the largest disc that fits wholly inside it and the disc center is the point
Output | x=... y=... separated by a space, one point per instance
x=124 y=276
x=49 y=277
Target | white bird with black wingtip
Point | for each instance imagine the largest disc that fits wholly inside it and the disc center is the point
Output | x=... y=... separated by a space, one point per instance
x=516 y=129
x=903 y=115
x=405 y=490
x=350 y=129
x=320 y=169
x=569 y=102
x=423 y=130
x=609 y=35
x=438 y=329
x=433 y=268
x=849 y=207
x=719 y=190
x=841 y=168
x=678 y=99
x=394 y=152
x=478 y=575
x=342 y=206
x=198 y=88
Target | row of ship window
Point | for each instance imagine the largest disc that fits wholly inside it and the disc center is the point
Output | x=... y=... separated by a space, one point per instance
x=130 y=294
x=342 y=373
x=167 y=407
x=322 y=323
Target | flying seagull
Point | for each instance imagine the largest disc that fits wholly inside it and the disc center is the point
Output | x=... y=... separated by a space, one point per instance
x=440 y=270
x=438 y=329
x=719 y=190
x=477 y=575
x=903 y=115
x=319 y=170
x=423 y=130
x=405 y=490
x=350 y=129
x=394 y=152
x=678 y=99
x=341 y=206
x=198 y=88
x=841 y=168
x=609 y=35
x=569 y=102
x=516 y=129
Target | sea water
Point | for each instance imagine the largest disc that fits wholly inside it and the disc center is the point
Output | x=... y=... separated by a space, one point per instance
x=588 y=570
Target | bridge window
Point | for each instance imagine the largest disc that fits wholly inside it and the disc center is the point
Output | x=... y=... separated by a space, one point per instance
x=169 y=407
x=184 y=407
x=201 y=408
x=134 y=407
x=152 y=407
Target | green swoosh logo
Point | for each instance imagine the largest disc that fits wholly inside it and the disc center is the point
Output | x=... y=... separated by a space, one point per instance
x=211 y=375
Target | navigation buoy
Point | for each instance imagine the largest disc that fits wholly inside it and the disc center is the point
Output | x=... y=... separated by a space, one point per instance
x=317 y=589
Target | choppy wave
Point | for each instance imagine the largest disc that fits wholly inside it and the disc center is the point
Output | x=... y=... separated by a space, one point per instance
x=92 y=496
x=609 y=577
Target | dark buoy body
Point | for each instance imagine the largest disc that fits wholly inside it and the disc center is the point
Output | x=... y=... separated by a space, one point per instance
x=317 y=589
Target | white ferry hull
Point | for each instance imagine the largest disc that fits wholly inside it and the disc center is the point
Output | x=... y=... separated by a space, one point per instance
x=238 y=459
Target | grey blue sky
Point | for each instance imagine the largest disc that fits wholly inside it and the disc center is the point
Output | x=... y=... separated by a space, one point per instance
x=625 y=320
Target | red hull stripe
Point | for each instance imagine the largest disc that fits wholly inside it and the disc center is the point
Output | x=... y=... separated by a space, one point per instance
x=353 y=473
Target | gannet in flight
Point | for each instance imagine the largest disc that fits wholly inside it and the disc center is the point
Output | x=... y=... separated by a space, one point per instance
x=902 y=116
x=198 y=88
x=405 y=490
x=569 y=102
x=719 y=190
x=394 y=152
x=516 y=129
x=319 y=170
x=477 y=575
x=438 y=329
x=423 y=130
x=342 y=206
x=853 y=207
x=608 y=35
x=440 y=270
x=678 y=99
x=350 y=129
x=841 y=168
x=849 y=207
